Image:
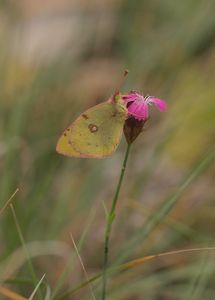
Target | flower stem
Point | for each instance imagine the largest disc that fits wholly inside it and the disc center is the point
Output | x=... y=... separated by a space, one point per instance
x=110 y=219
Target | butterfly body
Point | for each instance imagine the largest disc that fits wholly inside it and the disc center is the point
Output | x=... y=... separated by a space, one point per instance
x=96 y=133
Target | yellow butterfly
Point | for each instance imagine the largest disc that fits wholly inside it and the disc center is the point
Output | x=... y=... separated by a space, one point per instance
x=96 y=133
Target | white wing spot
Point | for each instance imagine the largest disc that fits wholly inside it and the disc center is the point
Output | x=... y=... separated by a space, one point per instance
x=93 y=128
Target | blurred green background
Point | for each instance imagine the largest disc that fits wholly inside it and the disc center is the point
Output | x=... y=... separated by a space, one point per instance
x=58 y=58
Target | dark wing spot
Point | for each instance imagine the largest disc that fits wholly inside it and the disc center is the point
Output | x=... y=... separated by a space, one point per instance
x=85 y=116
x=93 y=128
x=68 y=129
x=65 y=134
x=114 y=114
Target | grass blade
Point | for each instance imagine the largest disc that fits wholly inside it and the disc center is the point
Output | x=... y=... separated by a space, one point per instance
x=165 y=208
x=8 y=201
x=9 y=294
x=36 y=288
x=31 y=269
x=132 y=264
x=83 y=267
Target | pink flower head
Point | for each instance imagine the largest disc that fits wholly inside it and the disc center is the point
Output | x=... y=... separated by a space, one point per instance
x=138 y=105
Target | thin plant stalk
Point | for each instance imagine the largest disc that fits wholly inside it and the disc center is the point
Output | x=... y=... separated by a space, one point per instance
x=110 y=219
x=21 y=237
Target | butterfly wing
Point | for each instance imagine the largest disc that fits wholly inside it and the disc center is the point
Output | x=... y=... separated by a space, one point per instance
x=96 y=133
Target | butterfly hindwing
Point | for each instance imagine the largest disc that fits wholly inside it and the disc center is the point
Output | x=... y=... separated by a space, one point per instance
x=95 y=133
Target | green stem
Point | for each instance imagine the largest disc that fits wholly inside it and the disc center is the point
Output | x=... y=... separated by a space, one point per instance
x=109 y=223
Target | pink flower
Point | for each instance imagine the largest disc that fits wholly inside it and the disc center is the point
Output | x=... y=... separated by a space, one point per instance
x=138 y=105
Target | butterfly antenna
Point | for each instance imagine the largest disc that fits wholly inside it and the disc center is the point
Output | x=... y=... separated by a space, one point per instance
x=122 y=80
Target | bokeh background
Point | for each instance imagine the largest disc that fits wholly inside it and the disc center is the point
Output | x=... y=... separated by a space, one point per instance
x=58 y=58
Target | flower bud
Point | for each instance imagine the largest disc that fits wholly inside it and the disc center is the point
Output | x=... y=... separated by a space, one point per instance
x=132 y=128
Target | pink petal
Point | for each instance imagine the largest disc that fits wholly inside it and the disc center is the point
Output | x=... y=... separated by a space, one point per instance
x=160 y=104
x=127 y=99
x=139 y=109
x=132 y=96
